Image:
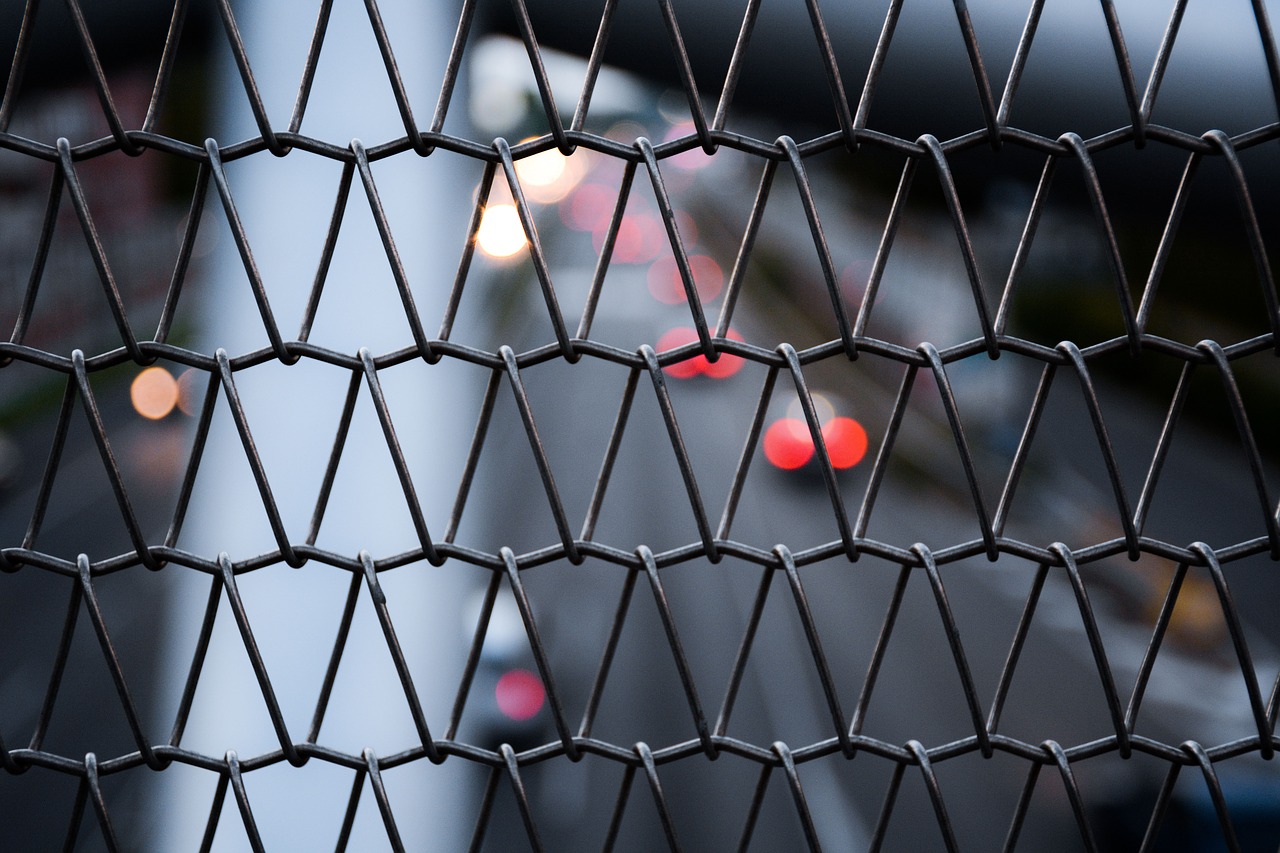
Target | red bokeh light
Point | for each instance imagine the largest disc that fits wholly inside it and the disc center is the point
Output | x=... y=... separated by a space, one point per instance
x=787 y=443
x=589 y=208
x=520 y=694
x=694 y=158
x=846 y=441
x=688 y=227
x=724 y=367
x=666 y=285
x=640 y=239
x=678 y=337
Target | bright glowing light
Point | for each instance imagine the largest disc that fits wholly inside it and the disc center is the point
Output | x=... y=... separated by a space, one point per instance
x=501 y=235
x=667 y=286
x=846 y=442
x=154 y=393
x=787 y=444
x=520 y=694
x=543 y=169
x=724 y=367
x=549 y=176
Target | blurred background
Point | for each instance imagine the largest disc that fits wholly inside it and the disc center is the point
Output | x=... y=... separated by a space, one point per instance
x=1217 y=78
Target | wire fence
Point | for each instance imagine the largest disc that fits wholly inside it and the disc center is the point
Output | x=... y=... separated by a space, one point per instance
x=921 y=368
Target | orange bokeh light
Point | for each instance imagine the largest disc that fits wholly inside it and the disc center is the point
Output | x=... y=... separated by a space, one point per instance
x=154 y=393
x=548 y=177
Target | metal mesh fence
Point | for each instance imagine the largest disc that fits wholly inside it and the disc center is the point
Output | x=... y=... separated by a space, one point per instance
x=875 y=577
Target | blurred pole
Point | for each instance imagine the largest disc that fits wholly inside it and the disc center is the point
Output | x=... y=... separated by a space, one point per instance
x=295 y=409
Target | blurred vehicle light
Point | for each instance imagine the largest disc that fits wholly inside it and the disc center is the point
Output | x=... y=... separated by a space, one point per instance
x=520 y=694
x=788 y=444
x=154 y=393
x=501 y=235
x=723 y=367
x=846 y=441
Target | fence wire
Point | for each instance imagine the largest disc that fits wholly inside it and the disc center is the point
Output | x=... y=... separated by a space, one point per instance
x=649 y=370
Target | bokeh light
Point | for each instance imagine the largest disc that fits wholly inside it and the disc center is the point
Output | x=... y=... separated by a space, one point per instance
x=688 y=227
x=692 y=159
x=724 y=367
x=541 y=169
x=787 y=444
x=501 y=235
x=191 y=390
x=846 y=441
x=678 y=337
x=548 y=177
x=154 y=393
x=640 y=239
x=822 y=407
x=590 y=207
x=520 y=694
x=666 y=285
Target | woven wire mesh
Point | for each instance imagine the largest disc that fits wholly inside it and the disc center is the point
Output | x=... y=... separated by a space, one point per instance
x=1115 y=544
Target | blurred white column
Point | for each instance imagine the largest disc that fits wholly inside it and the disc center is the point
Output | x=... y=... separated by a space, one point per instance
x=293 y=413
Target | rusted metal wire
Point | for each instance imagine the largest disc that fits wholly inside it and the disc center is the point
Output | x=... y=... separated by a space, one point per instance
x=508 y=368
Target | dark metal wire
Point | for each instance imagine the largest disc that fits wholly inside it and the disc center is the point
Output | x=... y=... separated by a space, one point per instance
x=710 y=739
